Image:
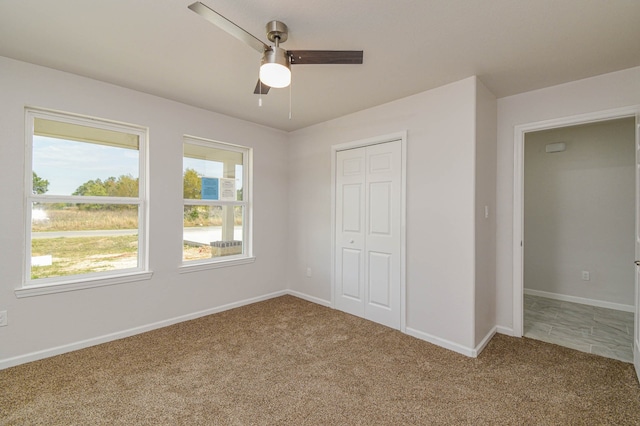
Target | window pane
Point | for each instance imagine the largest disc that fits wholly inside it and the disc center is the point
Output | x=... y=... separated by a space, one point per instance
x=73 y=239
x=69 y=159
x=211 y=173
x=212 y=231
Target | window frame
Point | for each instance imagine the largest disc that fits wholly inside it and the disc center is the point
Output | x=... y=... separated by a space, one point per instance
x=33 y=287
x=247 y=203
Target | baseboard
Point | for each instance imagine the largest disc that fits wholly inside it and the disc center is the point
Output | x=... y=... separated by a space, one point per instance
x=636 y=357
x=507 y=331
x=581 y=300
x=58 y=350
x=309 y=298
x=442 y=342
x=46 y=353
x=416 y=333
x=480 y=347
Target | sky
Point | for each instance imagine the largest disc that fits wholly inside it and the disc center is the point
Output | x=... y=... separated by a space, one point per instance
x=69 y=164
x=203 y=167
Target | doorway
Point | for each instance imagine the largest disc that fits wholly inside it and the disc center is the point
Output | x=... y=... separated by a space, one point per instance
x=579 y=220
x=368 y=241
x=563 y=273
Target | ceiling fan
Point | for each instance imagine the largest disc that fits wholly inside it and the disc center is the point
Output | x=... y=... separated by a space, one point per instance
x=275 y=69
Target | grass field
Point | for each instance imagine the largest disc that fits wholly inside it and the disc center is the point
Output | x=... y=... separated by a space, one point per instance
x=83 y=255
x=74 y=219
x=74 y=256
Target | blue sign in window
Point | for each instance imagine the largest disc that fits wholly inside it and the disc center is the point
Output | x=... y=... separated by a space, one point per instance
x=210 y=188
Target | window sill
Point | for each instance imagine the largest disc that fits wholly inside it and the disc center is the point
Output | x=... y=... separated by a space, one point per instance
x=195 y=267
x=73 y=285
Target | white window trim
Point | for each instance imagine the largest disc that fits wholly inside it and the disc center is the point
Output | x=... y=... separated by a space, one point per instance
x=200 y=265
x=81 y=283
x=41 y=286
x=247 y=203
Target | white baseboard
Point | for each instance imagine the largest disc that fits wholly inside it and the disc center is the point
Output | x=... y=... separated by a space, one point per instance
x=581 y=300
x=442 y=342
x=416 y=333
x=484 y=342
x=636 y=357
x=58 y=350
x=308 y=298
x=505 y=330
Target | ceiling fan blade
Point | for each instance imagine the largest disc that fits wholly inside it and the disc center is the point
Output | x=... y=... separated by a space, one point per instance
x=223 y=23
x=309 y=57
x=261 y=90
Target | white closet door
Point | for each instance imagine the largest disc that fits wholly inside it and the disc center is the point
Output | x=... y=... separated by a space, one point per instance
x=382 y=239
x=350 y=227
x=368 y=226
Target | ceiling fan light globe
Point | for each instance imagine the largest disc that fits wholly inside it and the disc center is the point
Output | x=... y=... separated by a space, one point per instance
x=275 y=75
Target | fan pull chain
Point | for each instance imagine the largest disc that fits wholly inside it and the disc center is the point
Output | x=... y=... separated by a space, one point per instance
x=260 y=98
x=290 y=84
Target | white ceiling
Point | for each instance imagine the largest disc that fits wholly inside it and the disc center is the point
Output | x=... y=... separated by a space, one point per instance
x=163 y=48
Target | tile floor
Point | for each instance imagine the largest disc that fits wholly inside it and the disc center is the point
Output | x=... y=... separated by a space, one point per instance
x=599 y=331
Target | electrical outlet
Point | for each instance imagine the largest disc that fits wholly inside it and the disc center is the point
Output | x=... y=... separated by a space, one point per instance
x=586 y=276
x=308 y=272
x=3 y=318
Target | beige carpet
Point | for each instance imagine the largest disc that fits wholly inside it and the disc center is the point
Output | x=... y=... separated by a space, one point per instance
x=287 y=361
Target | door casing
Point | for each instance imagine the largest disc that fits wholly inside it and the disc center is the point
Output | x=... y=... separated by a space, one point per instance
x=518 y=209
x=402 y=136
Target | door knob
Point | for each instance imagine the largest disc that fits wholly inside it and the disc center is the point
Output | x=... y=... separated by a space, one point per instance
x=637 y=262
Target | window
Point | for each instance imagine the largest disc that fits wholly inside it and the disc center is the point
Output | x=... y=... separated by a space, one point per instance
x=85 y=198
x=217 y=203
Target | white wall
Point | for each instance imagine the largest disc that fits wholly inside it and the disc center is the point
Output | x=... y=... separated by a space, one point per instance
x=608 y=91
x=441 y=206
x=44 y=322
x=579 y=211
x=485 y=197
